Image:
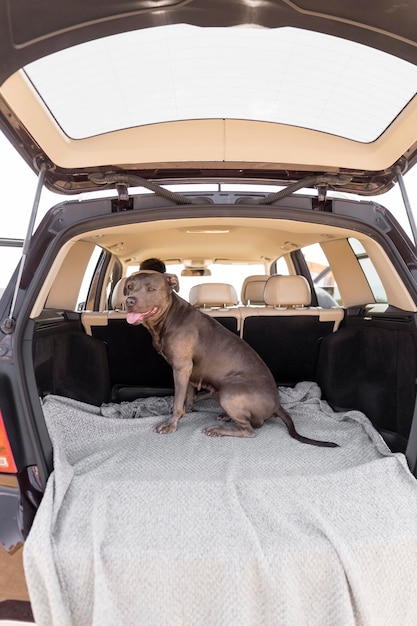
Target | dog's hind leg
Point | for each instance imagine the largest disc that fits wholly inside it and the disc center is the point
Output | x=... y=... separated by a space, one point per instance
x=228 y=430
x=235 y=411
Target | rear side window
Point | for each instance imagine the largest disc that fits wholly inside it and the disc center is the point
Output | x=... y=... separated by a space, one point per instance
x=86 y=294
x=102 y=272
x=281 y=266
x=321 y=273
x=369 y=270
x=10 y=255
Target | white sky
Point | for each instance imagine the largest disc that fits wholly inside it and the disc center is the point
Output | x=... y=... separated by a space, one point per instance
x=18 y=184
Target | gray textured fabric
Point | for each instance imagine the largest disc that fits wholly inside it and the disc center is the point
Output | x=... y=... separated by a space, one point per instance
x=144 y=407
x=137 y=528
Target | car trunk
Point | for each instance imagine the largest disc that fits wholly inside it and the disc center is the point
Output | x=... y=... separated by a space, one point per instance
x=367 y=363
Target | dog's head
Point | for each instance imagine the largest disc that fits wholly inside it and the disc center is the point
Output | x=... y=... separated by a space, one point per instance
x=148 y=295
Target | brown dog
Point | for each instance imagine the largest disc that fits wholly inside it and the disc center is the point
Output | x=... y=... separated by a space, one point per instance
x=204 y=354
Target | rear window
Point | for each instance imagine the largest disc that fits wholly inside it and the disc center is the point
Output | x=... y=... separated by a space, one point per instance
x=369 y=86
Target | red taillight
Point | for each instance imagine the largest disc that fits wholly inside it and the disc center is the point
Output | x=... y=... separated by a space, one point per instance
x=7 y=464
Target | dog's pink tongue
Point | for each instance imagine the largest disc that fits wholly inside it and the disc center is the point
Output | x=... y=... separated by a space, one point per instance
x=135 y=318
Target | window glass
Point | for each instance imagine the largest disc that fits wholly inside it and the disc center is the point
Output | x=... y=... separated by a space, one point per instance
x=282 y=266
x=231 y=273
x=284 y=64
x=369 y=270
x=321 y=274
x=9 y=259
x=87 y=290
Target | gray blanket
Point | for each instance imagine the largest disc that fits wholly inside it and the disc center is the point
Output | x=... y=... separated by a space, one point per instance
x=137 y=528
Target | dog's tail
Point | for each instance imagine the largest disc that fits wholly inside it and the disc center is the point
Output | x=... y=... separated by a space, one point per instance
x=282 y=413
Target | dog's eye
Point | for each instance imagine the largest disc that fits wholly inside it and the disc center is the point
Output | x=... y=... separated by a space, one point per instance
x=151 y=289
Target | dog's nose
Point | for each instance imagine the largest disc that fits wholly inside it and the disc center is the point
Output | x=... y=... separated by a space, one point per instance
x=130 y=301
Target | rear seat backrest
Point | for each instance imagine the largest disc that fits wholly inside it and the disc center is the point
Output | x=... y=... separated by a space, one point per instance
x=94 y=319
x=291 y=295
x=252 y=292
x=287 y=332
x=219 y=300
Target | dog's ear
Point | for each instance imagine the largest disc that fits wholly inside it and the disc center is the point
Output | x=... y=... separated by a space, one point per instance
x=173 y=282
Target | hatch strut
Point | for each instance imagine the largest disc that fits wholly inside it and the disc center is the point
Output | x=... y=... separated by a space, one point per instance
x=8 y=324
x=406 y=201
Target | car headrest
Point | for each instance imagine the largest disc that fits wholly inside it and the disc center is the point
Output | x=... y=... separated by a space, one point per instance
x=287 y=291
x=213 y=295
x=118 y=298
x=253 y=289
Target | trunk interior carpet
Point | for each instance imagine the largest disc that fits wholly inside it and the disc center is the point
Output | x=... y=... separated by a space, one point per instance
x=137 y=528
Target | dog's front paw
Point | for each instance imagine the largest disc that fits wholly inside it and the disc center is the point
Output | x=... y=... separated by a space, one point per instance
x=166 y=427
